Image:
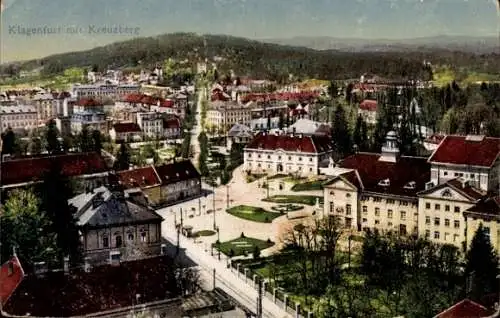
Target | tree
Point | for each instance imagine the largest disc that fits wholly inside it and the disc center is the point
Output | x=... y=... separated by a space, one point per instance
x=85 y=142
x=26 y=227
x=256 y=252
x=348 y=93
x=360 y=134
x=122 y=158
x=55 y=191
x=67 y=143
x=281 y=121
x=96 y=141
x=35 y=145
x=333 y=89
x=52 y=138
x=341 y=137
x=481 y=265
x=8 y=142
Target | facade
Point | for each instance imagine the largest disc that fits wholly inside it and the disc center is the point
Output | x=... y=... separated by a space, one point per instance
x=223 y=115
x=378 y=191
x=487 y=213
x=171 y=128
x=89 y=113
x=288 y=154
x=125 y=132
x=46 y=107
x=111 y=224
x=146 y=179
x=63 y=124
x=101 y=91
x=475 y=158
x=238 y=134
x=368 y=110
x=151 y=124
x=18 y=117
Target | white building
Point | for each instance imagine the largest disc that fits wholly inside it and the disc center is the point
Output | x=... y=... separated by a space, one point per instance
x=100 y=91
x=18 y=117
x=151 y=124
x=223 y=115
x=289 y=154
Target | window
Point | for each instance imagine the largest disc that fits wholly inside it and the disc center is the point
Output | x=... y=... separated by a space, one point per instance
x=472 y=176
x=279 y=157
x=365 y=220
x=437 y=207
x=445 y=173
x=389 y=224
x=289 y=158
x=300 y=158
x=348 y=209
x=436 y=235
x=437 y=221
x=310 y=159
x=457 y=209
x=130 y=237
x=456 y=224
x=447 y=208
x=427 y=233
x=415 y=216
x=118 y=241
x=376 y=199
x=377 y=221
x=447 y=222
x=143 y=237
x=405 y=203
x=347 y=195
x=268 y=157
x=365 y=209
x=446 y=236
x=403 y=215
x=455 y=237
x=331 y=207
x=427 y=206
x=428 y=220
x=390 y=201
x=389 y=214
x=258 y=156
x=377 y=211
x=105 y=241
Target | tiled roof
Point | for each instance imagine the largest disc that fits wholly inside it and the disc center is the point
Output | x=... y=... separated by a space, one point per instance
x=11 y=275
x=467 y=150
x=169 y=123
x=140 y=177
x=177 y=171
x=168 y=103
x=126 y=127
x=297 y=143
x=464 y=309
x=353 y=178
x=90 y=102
x=368 y=104
x=467 y=189
x=220 y=96
x=400 y=174
x=32 y=169
x=141 y=99
x=103 y=288
x=284 y=96
x=489 y=206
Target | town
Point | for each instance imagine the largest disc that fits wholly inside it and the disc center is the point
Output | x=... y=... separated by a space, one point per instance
x=182 y=188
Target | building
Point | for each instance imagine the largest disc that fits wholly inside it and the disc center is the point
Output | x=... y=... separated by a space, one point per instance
x=238 y=134
x=171 y=128
x=288 y=154
x=63 y=124
x=101 y=91
x=368 y=111
x=378 y=191
x=89 y=168
x=146 y=179
x=223 y=115
x=18 y=117
x=46 y=107
x=309 y=127
x=151 y=124
x=465 y=309
x=441 y=211
x=111 y=224
x=89 y=113
x=475 y=158
x=432 y=142
x=125 y=132
x=487 y=213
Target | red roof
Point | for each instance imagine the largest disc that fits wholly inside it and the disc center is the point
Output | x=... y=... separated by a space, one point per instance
x=218 y=95
x=88 y=102
x=142 y=99
x=285 y=96
x=171 y=123
x=11 y=275
x=400 y=174
x=369 y=105
x=465 y=309
x=126 y=127
x=467 y=150
x=167 y=103
x=141 y=177
x=297 y=143
x=487 y=206
x=32 y=169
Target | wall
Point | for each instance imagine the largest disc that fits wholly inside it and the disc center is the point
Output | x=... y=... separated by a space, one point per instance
x=493 y=225
x=478 y=176
x=337 y=197
x=267 y=161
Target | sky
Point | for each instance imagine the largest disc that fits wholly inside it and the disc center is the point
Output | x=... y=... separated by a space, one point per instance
x=365 y=19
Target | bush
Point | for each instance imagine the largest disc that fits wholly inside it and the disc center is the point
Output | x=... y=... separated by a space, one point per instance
x=231 y=253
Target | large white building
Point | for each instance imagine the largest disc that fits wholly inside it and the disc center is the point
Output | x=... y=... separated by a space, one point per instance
x=18 y=117
x=151 y=124
x=223 y=115
x=287 y=154
x=100 y=91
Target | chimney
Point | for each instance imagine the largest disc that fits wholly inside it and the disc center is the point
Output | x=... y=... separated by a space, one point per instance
x=87 y=266
x=66 y=265
x=41 y=269
x=114 y=258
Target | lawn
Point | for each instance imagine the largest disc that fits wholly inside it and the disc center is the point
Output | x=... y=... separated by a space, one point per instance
x=242 y=246
x=252 y=177
x=309 y=186
x=253 y=213
x=203 y=233
x=298 y=199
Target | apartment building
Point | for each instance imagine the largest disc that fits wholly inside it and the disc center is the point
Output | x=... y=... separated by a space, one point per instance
x=18 y=117
x=223 y=115
x=151 y=124
x=101 y=91
x=89 y=113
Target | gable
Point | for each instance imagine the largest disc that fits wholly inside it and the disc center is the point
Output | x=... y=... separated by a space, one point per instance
x=340 y=183
x=446 y=193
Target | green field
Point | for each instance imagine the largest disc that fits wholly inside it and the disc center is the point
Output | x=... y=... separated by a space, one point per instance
x=242 y=246
x=253 y=213
x=298 y=199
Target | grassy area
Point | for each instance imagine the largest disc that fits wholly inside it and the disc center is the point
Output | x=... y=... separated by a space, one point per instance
x=286 y=208
x=298 y=199
x=242 y=246
x=253 y=213
x=252 y=177
x=203 y=233
x=277 y=176
x=309 y=186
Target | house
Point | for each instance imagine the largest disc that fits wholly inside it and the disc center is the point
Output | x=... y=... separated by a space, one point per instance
x=112 y=224
x=145 y=179
x=487 y=213
x=465 y=309
x=11 y=275
x=475 y=158
x=46 y=107
x=309 y=127
x=18 y=117
x=89 y=113
x=104 y=90
x=378 y=191
x=223 y=115
x=171 y=128
x=118 y=289
x=282 y=153
x=238 y=134
x=89 y=168
x=151 y=124
x=441 y=211
x=432 y=142
x=125 y=132
x=368 y=110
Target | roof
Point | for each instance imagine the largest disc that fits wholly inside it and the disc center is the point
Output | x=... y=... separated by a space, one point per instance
x=296 y=143
x=239 y=130
x=488 y=206
x=400 y=173
x=103 y=288
x=307 y=126
x=369 y=105
x=90 y=102
x=176 y=172
x=11 y=275
x=169 y=123
x=467 y=150
x=140 y=177
x=101 y=207
x=464 y=309
x=434 y=139
x=32 y=169
x=126 y=127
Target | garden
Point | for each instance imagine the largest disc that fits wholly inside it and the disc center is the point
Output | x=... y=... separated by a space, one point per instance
x=309 y=186
x=297 y=199
x=243 y=246
x=283 y=208
x=252 y=213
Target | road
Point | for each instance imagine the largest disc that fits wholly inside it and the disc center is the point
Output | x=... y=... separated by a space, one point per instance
x=197 y=128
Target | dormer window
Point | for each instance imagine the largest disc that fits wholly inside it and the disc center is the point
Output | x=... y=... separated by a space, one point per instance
x=446 y=193
x=384 y=183
x=410 y=185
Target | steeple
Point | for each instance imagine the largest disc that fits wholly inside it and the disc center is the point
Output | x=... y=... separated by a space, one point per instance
x=390 y=150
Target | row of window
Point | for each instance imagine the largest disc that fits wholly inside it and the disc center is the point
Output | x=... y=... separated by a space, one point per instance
x=437 y=222
x=289 y=168
x=437 y=207
x=459 y=174
x=119 y=242
x=437 y=236
x=279 y=157
x=390 y=213
x=388 y=201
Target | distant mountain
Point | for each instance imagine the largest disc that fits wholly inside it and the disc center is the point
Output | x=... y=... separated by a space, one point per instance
x=469 y=44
